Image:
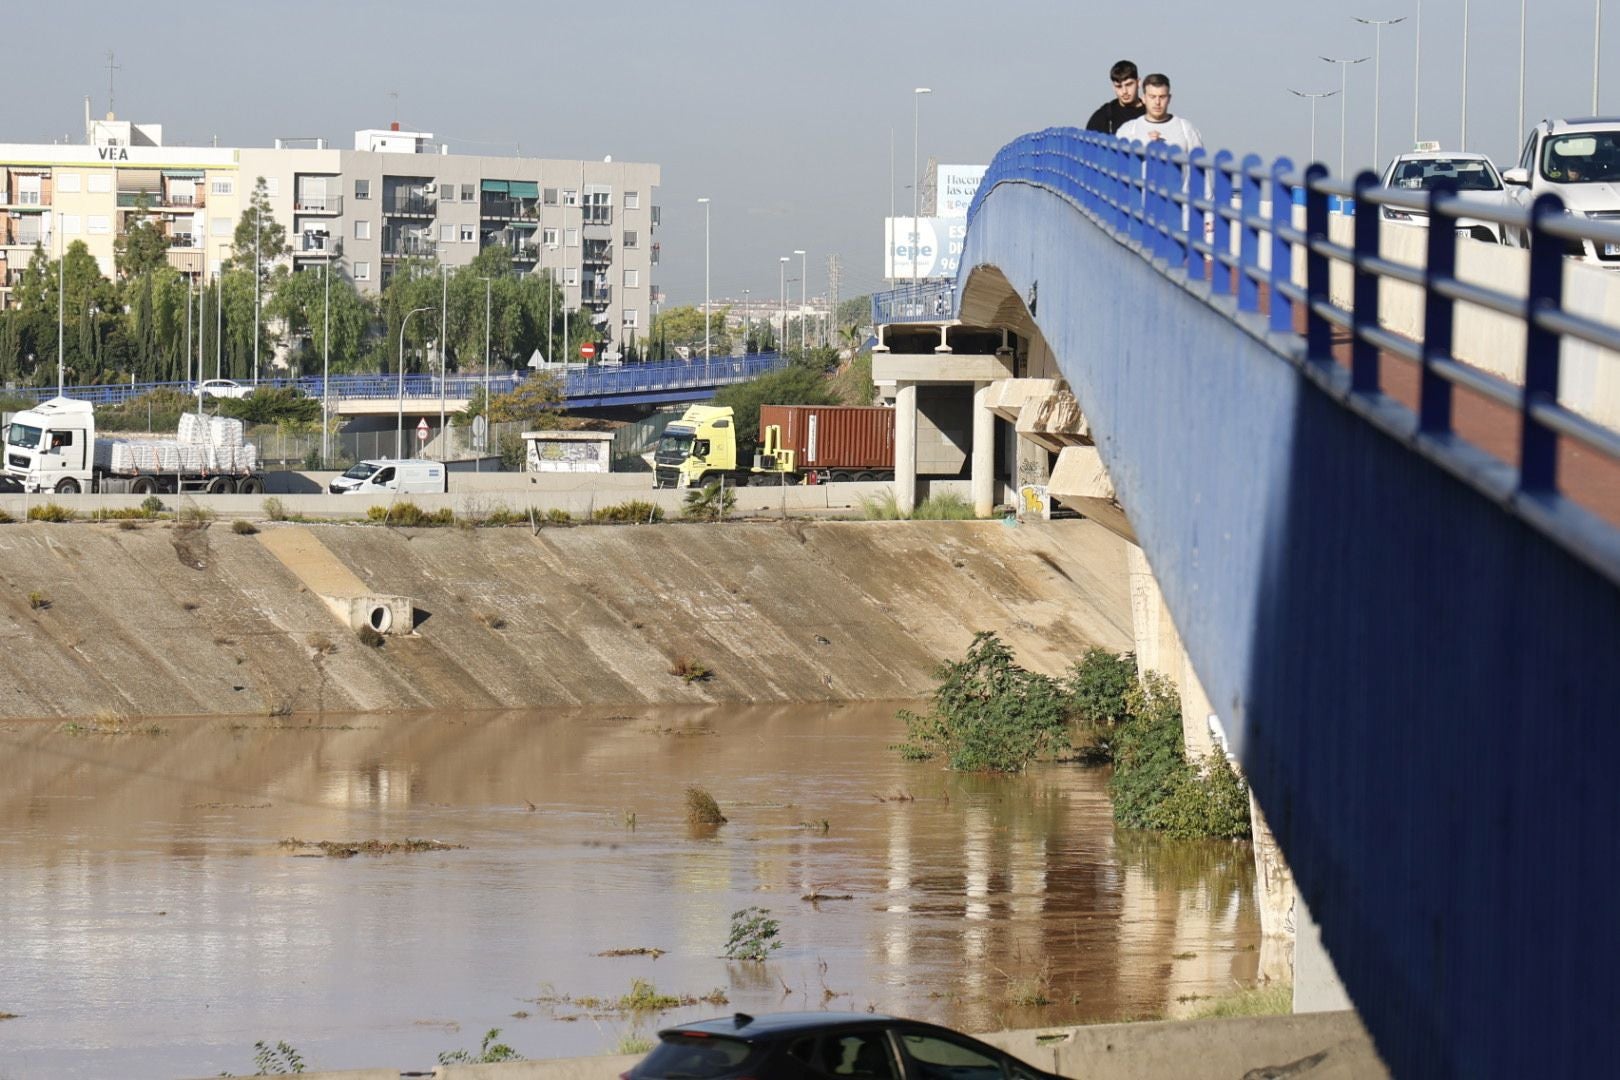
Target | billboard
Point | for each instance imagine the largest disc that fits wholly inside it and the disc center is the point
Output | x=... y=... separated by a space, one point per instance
x=954 y=188
x=929 y=247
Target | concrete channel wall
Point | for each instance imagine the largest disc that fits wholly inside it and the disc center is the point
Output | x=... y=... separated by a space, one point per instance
x=1321 y=1046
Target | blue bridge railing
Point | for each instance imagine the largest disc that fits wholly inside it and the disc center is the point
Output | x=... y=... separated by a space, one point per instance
x=920 y=301
x=594 y=381
x=1199 y=219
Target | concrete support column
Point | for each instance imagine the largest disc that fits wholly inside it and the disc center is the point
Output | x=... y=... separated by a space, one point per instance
x=1274 y=896
x=1316 y=982
x=984 y=447
x=905 y=446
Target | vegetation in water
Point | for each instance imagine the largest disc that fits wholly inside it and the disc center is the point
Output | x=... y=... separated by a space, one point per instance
x=489 y=1052
x=701 y=809
x=754 y=935
x=1273 y=999
x=348 y=849
x=1155 y=786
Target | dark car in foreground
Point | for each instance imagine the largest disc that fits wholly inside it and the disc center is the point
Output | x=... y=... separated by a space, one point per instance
x=813 y=1045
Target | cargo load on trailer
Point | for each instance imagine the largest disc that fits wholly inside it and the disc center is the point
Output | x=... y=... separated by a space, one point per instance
x=54 y=447
x=798 y=444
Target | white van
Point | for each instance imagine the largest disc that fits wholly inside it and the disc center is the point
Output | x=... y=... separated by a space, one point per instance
x=401 y=477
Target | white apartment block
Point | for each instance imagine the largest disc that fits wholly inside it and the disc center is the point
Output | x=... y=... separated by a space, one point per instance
x=397 y=195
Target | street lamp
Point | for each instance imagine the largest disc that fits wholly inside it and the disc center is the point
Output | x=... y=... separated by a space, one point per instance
x=1378 y=72
x=1344 y=66
x=1597 y=36
x=1312 y=98
x=804 y=300
x=781 y=292
x=705 y=202
x=444 y=333
x=1417 y=69
x=1462 y=141
x=61 y=303
x=916 y=169
x=326 y=368
x=478 y=456
x=399 y=439
x=746 y=325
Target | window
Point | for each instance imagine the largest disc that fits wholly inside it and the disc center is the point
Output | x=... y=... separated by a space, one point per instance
x=447 y=234
x=98 y=225
x=362 y=271
x=101 y=182
x=570 y=197
x=629 y=238
x=362 y=230
x=67 y=183
x=219 y=226
x=632 y=200
x=469 y=193
x=469 y=235
x=632 y=279
x=947 y=1056
x=549 y=237
x=549 y=196
x=215 y=187
x=630 y=316
x=362 y=189
x=570 y=238
x=570 y=275
x=28 y=190
x=70 y=224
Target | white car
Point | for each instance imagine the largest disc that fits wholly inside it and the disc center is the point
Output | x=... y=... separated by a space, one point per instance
x=1579 y=161
x=1473 y=176
x=217 y=388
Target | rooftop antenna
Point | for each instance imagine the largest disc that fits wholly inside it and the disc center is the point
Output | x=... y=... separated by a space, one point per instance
x=395 y=95
x=111 y=67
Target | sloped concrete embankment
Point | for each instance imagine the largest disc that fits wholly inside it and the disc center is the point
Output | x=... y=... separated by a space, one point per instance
x=164 y=621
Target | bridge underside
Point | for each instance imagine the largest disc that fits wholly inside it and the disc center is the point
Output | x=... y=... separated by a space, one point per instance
x=1413 y=678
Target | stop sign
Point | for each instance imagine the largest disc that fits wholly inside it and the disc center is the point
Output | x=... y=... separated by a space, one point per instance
x=587 y=350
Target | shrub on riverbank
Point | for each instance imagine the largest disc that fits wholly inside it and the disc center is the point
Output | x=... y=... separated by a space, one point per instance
x=1154 y=785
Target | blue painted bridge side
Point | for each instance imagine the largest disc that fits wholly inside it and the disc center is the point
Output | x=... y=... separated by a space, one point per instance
x=1421 y=685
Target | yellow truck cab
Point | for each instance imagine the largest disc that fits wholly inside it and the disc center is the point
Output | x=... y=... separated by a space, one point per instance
x=697 y=449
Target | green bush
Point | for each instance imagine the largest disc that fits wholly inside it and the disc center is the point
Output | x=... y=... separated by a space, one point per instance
x=946 y=506
x=1154 y=786
x=408 y=515
x=633 y=512
x=274 y=510
x=152 y=505
x=1099 y=685
x=52 y=512
x=988 y=714
x=155 y=410
x=753 y=934
x=558 y=516
x=712 y=502
x=514 y=455
x=272 y=405
x=489 y=1052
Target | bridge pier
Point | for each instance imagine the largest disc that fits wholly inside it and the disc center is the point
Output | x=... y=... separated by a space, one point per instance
x=984 y=451
x=905 y=446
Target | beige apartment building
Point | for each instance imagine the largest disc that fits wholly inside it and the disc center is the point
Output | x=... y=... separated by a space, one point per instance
x=397 y=195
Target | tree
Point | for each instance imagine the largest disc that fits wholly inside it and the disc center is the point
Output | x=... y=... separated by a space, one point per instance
x=684 y=326
x=142 y=247
x=792 y=385
x=259 y=237
x=300 y=302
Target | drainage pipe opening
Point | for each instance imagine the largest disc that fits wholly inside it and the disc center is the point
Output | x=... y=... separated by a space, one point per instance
x=381 y=619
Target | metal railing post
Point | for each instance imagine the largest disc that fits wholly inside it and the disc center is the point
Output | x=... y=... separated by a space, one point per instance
x=1223 y=226
x=1318 y=331
x=1434 y=392
x=1280 y=308
x=1538 y=444
x=1248 y=289
x=1197 y=184
x=1364 y=293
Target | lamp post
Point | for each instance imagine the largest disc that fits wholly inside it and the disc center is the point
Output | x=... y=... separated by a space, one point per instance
x=1313 y=98
x=705 y=202
x=781 y=292
x=399 y=436
x=1597 y=36
x=746 y=325
x=804 y=300
x=444 y=334
x=61 y=306
x=1462 y=141
x=1378 y=72
x=326 y=368
x=478 y=458
x=1344 y=66
x=1417 y=69
x=916 y=180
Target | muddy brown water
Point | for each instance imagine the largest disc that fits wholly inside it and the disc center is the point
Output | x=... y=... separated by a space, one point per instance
x=155 y=925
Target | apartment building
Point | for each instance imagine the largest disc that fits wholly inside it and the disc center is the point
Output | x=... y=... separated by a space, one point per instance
x=396 y=195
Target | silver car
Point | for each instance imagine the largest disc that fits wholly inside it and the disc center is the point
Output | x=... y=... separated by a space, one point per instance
x=1579 y=161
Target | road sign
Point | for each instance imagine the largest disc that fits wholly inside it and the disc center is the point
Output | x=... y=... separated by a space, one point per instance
x=422 y=430
x=587 y=350
x=480 y=433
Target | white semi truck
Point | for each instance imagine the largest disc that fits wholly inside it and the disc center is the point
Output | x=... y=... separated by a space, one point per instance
x=53 y=447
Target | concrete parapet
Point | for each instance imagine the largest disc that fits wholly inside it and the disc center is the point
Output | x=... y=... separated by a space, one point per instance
x=1080 y=482
x=940 y=367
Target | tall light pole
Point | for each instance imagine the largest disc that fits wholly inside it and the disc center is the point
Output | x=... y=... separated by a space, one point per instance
x=705 y=202
x=781 y=292
x=444 y=334
x=1344 y=67
x=1378 y=73
x=1518 y=131
x=1462 y=140
x=746 y=325
x=1597 y=36
x=804 y=299
x=916 y=170
x=61 y=306
x=399 y=437
x=1312 y=98
x=1417 y=70
x=478 y=458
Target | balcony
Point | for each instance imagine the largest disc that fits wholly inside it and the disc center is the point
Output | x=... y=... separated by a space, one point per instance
x=189 y=201
x=22 y=239
x=596 y=295
x=525 y=254
x=410 y=205
x=315 y=245
x=409 y=247
x=183 y=240
x=509 y=209
x=597 y=253
x=318 y=204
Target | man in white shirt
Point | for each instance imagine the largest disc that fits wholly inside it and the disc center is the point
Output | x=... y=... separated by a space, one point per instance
x=1158 y=125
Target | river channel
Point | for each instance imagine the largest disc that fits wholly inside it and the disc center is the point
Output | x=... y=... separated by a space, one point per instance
x=155 y=924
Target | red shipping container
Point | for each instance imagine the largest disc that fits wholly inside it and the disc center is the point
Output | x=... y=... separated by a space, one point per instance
x=833 y=436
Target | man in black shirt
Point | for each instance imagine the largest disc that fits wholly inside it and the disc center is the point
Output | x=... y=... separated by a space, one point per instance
x=1125 y=107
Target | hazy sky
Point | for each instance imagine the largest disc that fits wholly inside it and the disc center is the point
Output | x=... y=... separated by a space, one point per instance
x=782 y=113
